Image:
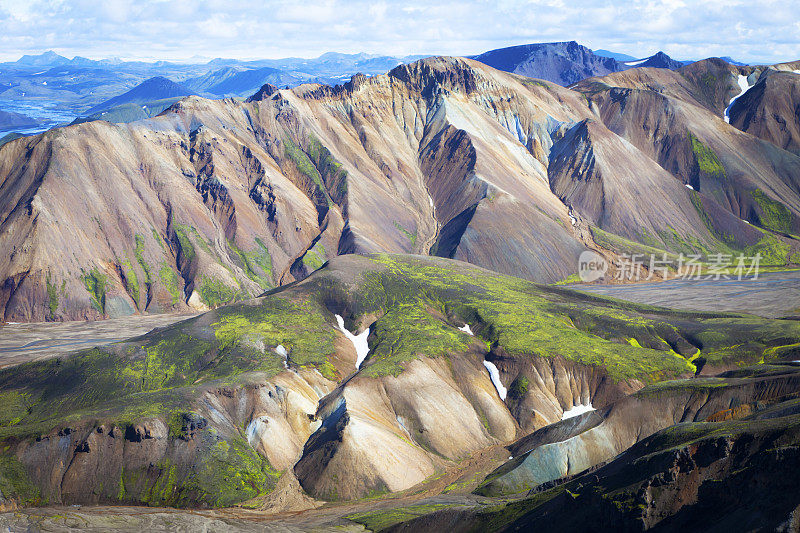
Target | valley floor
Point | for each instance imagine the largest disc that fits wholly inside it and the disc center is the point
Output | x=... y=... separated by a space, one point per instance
x=23 y=342
x=772 y=295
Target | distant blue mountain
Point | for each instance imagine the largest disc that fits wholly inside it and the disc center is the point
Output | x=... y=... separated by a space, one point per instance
x=733 y=61
x=614 y=55
x=47 y=59
x=157 y=88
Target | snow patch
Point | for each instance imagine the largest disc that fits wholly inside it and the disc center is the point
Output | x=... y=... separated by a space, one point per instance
x=359 y=341
x=465 y=328
x=281 y=350
x=638 y=62
x=255 y=429
x=743 y=85
x=689 y=186
x=494 y=374
x=577 y=410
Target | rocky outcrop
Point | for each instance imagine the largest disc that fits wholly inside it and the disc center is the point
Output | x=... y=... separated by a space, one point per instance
x=571 y=447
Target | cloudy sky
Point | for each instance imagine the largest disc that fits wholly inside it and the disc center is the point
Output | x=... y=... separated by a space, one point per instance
x=749 y=30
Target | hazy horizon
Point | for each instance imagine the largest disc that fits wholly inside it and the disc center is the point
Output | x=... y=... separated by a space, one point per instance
x=758 y=32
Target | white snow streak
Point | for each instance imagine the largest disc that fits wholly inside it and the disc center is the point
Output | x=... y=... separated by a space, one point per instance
x=359 y=341
x=743 y=85
x=494 y=374
x=281 y=350
x=465 y=328
x=634 y=63
x=688 y=186
x=577 y=410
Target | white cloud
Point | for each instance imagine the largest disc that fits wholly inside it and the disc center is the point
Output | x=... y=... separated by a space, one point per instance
x=753 y=30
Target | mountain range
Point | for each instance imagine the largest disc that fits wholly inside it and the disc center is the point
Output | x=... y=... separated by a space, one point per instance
x=82 y=86
x=381 y=337
x=218 y=200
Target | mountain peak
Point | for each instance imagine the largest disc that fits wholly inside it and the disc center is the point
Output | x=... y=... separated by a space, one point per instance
x=48 y=58
x=565 y=62
x=155 y=88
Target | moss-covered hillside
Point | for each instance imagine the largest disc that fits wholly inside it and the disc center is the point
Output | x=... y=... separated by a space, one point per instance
x=413 y=306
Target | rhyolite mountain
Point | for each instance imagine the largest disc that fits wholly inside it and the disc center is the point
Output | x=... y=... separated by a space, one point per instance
x=767 y=108
x=216 y=201
x=265 y=402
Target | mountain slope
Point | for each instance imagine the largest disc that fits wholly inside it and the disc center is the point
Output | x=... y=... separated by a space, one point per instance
x=10 y=120
x=605 y=178
x=215 y=201
x=769 y=110
x=213 y=410
x=671 y=117
x=156 y=88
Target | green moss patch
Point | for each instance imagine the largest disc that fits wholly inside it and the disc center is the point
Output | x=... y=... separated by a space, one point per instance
x=314 y=257
x=774 y=215
x=95 y=284
x=214 y=292
x=131 y=282
x=412 y=237
x=257 y=264
x=385 y=518
x=169 y=279
x=52 y=297
x=306 y=167
x=15 y=484
x=707 y=161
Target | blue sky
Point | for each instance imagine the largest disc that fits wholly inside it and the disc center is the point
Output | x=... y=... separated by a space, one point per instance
x=752 y=30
